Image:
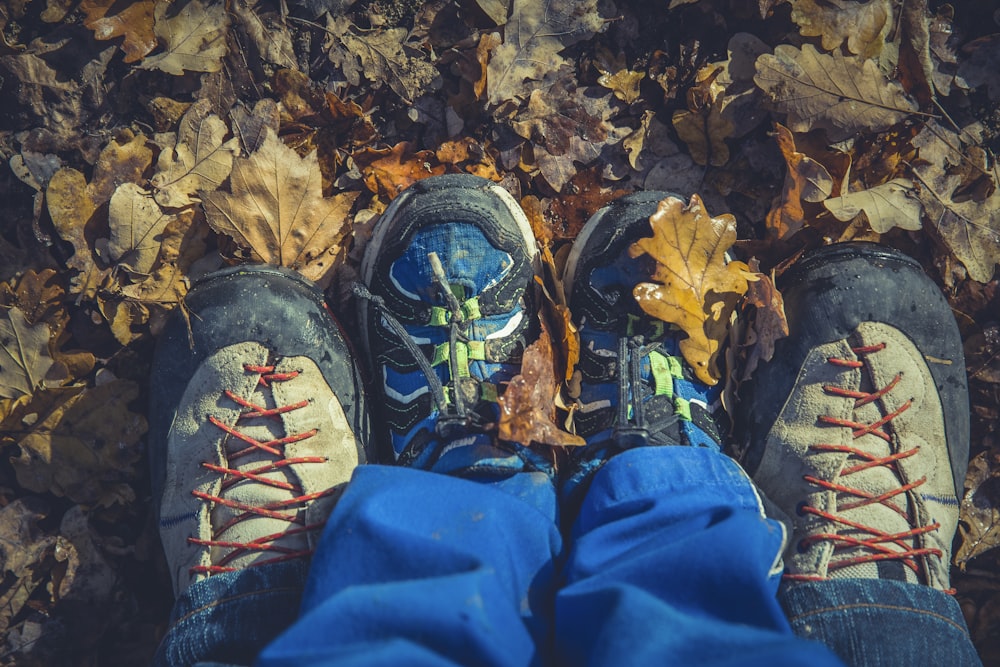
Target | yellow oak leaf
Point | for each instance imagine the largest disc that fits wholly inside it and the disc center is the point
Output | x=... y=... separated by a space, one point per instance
x=133 y=21
x=695 y=288
x=277 y=209
x=863 y=24
x=194 y=37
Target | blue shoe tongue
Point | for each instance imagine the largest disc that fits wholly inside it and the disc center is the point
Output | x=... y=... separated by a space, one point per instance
x=470 y=261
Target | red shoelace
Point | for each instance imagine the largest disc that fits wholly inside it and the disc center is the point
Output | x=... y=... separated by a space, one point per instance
x=231 y=476
x=875 y=543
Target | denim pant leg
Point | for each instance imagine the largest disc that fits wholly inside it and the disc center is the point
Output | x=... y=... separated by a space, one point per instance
x=673 y=563
x=229 y=617
x=872 y=622
x=418 y=568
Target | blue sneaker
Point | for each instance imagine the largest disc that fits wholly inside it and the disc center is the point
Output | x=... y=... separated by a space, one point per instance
x=447 y=308
x=636 y=389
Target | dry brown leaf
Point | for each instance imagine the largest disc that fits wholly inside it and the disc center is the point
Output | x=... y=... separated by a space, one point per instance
x=695 y=288
x=982 y=65
x=387 y=59
x=83 y=448
x=201 y=158
x=391 y=171
x=470 y=156
x=194 y=37
x=705 y=134
x=864 y=25
x=136 y=223
x=892 y=204
x=250 y=126
x=845 y=95
x=277 y=208
x=535 y=34
x=266 y=34
x=23 y=549
x=617 y=77
x=25 y=362
x=806 y=180
x=527 y=406
x=768 y=324
x=979 y=516
x=133 y=21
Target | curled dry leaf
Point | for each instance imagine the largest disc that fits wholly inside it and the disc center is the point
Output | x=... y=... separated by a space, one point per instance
x=845 y=95
x=133 y=21
x=695 y=288
x=769 y=323
x=864 y=25
x=535 y=34
x=806 y=180
x=200 y=159
x=527 y=406
x=194 y=37
x=277 y=209
x=892 y=204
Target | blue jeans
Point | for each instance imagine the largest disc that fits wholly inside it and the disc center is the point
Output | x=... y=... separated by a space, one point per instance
x=669 y=560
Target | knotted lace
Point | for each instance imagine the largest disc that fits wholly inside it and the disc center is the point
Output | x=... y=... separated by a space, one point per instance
x=873 y=543
x=275 y=451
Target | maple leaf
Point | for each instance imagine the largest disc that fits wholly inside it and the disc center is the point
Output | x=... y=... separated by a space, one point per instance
x=277 y=209
x=845 y=95
x=864 y=25
x=84 y=444
x=695 y=288
x=535 y=34
x=527 y=406
x=386 y=59
x=806 y=180
x=200 y=159
x=194 y=37
x=25 y=361
x=892 y=204
x=133 y=21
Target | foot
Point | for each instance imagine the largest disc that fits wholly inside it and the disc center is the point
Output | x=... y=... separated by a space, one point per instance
x=257 y=419
x=635 y=388
x=447 y=307
x=857 y=429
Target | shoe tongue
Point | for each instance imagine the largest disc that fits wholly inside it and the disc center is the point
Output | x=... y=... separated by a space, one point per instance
x=875 y=481
x=245 y=457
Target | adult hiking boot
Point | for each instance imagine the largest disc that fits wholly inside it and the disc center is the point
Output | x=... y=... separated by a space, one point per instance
x=447 y=307
x=857 y=429
x=636 y=389
x=257 y=419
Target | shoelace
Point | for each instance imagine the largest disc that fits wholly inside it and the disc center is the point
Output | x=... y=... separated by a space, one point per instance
x=232 y=476
x=877 y=545
x=630 y=427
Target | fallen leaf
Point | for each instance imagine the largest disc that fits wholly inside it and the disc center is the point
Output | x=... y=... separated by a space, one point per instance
x=495 y=9
x=845 y=95
x=25 y=362
x=266 y=34
x=527 y=406
x=979 y=515
x=768 y=322
x=201 y=158
x=470 y=156
x=194 y=37
x=250 y=126
x=704 y=134
x=535 y=34
x=805 y=180
x=616 y=77
x=277 y=208
x=695 y=288
x=392 y=171
x=85 y=446
x=864 y=25
x=982 y=65
x=23 y=549
x=892 y=204
x=133 y=21
x=136 y=222
x=386 y=59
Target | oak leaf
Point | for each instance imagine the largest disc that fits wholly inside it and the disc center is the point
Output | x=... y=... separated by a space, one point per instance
x=535 y=34
x=25 y=362
x=845 y=95
x=892 y=204
x=133 y=21
x=864 y=25
x=277 y=209
x=705 y=134
x=194 y=37
x=695 y=288
x=616 y=77
x=768 y=322
x=201 y=158
x=806 y=180
x=527 y=406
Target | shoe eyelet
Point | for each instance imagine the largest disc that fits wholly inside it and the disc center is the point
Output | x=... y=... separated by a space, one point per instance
x=800 y=509
x=800 y=547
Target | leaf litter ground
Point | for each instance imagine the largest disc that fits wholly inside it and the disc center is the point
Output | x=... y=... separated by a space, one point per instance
x=150 y=142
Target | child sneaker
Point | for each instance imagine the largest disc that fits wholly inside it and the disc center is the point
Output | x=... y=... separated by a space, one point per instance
x=257 y=419
x=636 y=390
x=446 y=310
x=858 y=427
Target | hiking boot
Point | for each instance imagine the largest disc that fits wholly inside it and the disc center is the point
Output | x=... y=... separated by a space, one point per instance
x=636 y=389
x=257 y=418
x=447 y=308
x=857 y=429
